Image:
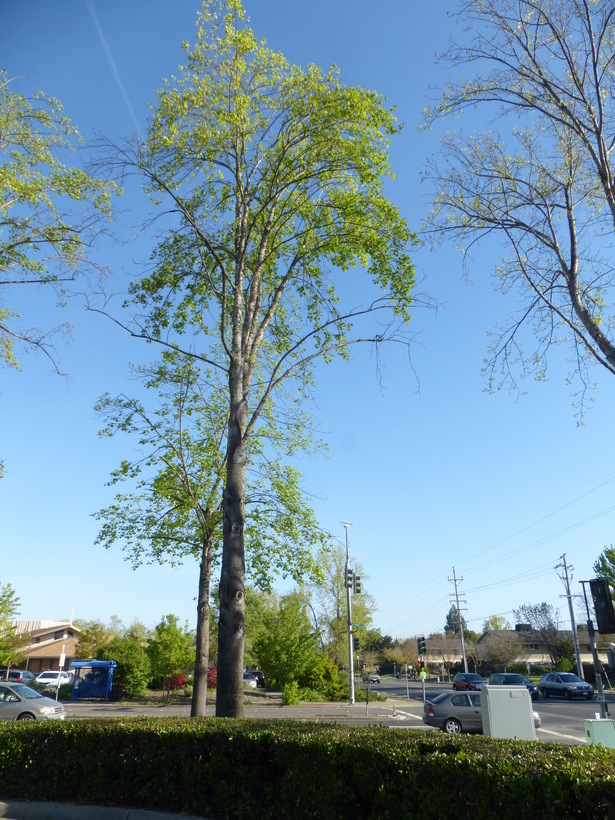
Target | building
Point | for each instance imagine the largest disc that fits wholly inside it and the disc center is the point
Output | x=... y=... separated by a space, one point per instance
x=44 y=643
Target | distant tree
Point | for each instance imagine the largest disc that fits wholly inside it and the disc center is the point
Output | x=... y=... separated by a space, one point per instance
x=495 y=622
x=446 y=647
x=543 y=620
x=170 y=648
x=286 y=646
x=11 y=648
x=454 y=622
x=604 y=567
x=93 y=636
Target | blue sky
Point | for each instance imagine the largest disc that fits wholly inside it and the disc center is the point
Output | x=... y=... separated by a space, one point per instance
x=432 y=471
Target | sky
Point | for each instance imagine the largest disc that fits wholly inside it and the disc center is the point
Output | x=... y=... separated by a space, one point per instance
x=439 y=479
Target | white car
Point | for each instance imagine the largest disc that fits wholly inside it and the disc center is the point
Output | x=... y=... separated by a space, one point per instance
x=52 y=678
x=249 y=680
x=374 y=678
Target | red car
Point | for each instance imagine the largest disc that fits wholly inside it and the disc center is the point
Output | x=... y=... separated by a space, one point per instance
x=468 y=680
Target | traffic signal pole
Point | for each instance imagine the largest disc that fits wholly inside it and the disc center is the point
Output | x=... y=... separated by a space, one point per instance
x=604 y=712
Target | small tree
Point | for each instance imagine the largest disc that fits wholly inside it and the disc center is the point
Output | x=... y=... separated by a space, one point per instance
x=286 y=647
x=94 y=635
x=543 y=620
x=133 y=672
x=502 y=647
x=170 y=649
x=11 y=649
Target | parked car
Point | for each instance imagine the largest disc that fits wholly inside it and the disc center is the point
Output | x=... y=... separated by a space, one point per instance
x=212 y=676
x=565 y=685
x=374 y=678
x=514 y=679
x=17 y=675
x=249 y=680
x=259 y=675
x=53 y=679
x=19 y=702
x=468 y=680
x=456 y=712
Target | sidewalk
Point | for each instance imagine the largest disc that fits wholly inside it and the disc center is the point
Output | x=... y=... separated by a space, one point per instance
x=25 y=810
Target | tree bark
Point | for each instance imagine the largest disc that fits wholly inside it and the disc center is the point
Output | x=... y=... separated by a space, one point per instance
x=199 y=694
x=229 y=695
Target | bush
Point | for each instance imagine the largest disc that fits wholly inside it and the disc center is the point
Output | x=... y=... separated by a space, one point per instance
x=272 y=769
x=291 y=695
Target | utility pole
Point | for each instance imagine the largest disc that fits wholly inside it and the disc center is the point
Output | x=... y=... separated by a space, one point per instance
x=454 y=580
x=566 y=581
x=348 y=584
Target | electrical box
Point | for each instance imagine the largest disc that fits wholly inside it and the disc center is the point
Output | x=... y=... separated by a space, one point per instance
x=507 y=712
x=600 y=733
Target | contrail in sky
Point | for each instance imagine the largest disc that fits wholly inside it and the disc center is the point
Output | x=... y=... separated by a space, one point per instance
x=116 y=73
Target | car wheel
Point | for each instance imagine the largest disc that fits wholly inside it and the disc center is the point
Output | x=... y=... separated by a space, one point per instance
x=567 y=694
x=452 y=726
x=589 y=697
x=26 y=716
x=544 y=693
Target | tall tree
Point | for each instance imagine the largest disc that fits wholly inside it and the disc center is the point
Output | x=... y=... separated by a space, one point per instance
x=50 y=211
x=328 y=605
x=172 y=509
x=604 y=566
x=273 y=178
x=543 y=185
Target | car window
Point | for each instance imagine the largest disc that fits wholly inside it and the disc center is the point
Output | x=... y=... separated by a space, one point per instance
x=440 y=698
x=460 y=700
x=569 y=678
x=475 y=699
x=25 y=692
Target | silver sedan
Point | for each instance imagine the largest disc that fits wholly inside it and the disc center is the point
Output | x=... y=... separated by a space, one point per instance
x=19 y=702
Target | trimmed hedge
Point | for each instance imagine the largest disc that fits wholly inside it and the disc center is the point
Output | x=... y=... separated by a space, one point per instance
x=272 y=769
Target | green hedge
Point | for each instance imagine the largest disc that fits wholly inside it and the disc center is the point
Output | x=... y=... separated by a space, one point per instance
x=273 y=769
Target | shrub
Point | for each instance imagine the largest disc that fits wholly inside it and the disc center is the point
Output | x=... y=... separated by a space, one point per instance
x=291 y=695
x=273 y=769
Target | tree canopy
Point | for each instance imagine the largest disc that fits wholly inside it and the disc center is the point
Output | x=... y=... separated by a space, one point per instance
x=541 y=185
x=50 y=211
x=272 y=179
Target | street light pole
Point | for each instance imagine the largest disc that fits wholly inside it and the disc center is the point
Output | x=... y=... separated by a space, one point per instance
x=347 y=524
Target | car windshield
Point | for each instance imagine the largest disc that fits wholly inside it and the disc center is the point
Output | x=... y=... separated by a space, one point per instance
x=568 y=677
x=471 y=676
x=24 y=691
x=516 y=679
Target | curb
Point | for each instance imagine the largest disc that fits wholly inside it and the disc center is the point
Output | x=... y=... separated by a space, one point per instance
x=27 y=810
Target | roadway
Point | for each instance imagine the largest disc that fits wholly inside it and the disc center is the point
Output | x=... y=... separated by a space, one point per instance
x=562 y=720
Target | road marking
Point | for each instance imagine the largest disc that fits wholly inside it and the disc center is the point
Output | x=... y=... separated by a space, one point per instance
x=559 y=734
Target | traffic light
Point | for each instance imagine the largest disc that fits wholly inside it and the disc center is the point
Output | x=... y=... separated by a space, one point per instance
x=348 y=580
x=356 y=584
x=419 y=665
x=421 y=645
x=603 y=605
x=355 y=644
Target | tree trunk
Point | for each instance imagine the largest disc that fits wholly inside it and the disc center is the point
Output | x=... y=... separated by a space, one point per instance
x=229 y=695
x=199 y=694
